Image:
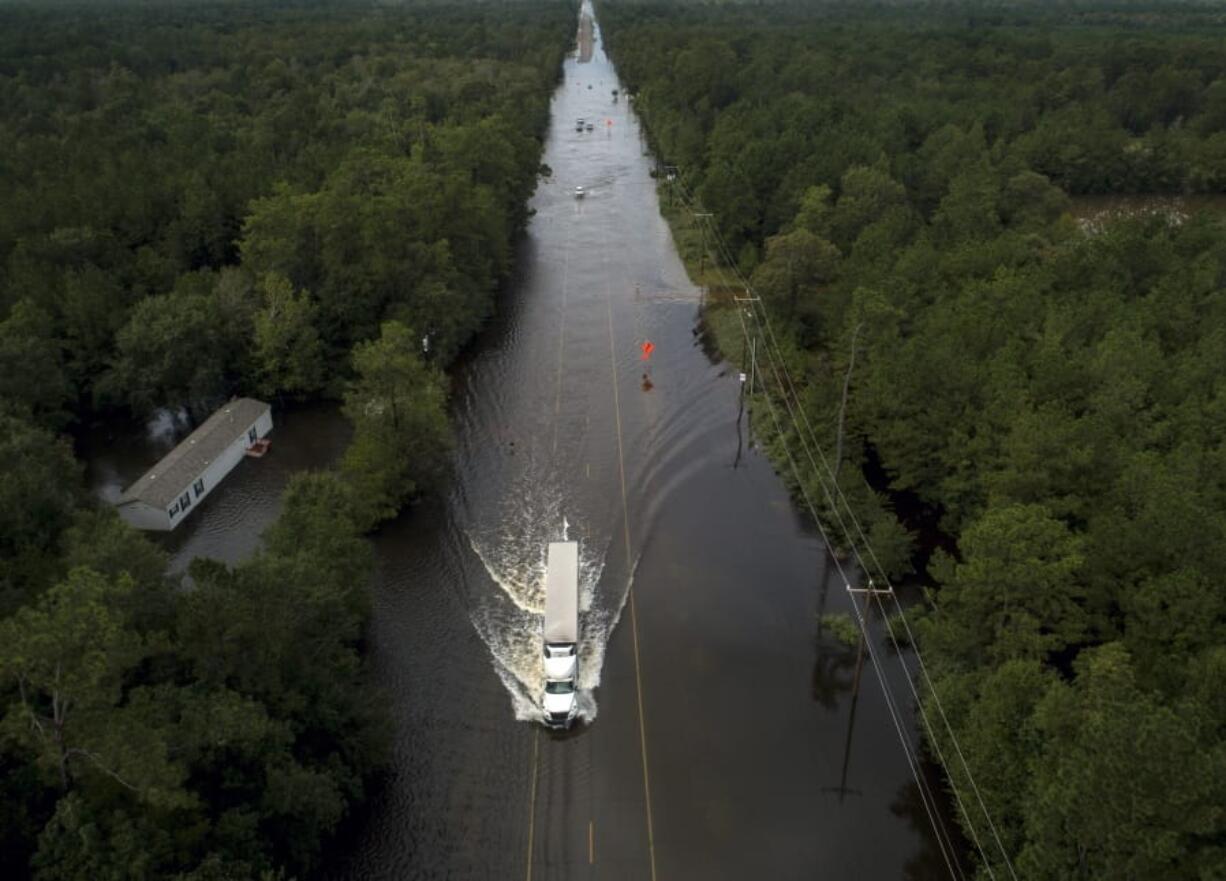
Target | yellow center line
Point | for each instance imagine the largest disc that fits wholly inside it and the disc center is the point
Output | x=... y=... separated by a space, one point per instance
x=591 y=842
x=634 y=627
x=536 y=751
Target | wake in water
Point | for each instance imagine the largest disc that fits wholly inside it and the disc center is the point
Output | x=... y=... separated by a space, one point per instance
x=509 y=620
x=509 y=530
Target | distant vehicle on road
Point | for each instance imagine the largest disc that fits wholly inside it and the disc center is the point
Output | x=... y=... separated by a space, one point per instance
x=590 y=126
x=579 y=194
x=561 y=633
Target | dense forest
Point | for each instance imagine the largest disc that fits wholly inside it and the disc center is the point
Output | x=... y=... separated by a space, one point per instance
x=1041 y=403
x=200 y=200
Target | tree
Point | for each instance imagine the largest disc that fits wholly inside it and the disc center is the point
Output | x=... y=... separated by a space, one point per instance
x=728 y=193
x=32 y=373
x=320 y=520
x=186 y=348
x=969 y=212
x=279 y=237
x=68 y=655
x=402 y=438
x=1129 y=787
x=92 y=306
x=1031 y=201
x=101 y=542
x=1015 y=595
x=275 y=642
x=288 y=354
x=816 y=212
x=993 y=712
x=865 y=194
x=110 y=842
x=797 y=263
x=38 y=495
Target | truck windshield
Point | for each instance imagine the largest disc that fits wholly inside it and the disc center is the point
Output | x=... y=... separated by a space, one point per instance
x=559 y=687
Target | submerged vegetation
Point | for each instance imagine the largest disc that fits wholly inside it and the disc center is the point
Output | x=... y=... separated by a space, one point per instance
x=197 y=201
x=1049 y=400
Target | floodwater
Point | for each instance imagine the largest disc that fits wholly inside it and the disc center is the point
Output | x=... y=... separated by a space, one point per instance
x=719 y=738
x=227 y=525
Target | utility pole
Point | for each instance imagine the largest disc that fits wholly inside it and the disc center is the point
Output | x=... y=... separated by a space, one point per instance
x=740 y=411
x=749 y=348
x=748 y=300
x=869 y=592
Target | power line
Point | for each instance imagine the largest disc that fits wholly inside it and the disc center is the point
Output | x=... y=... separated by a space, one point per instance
x=835 y=510
x=788 y=393
x=901 y=612
x=786 y=385
x=926 y=796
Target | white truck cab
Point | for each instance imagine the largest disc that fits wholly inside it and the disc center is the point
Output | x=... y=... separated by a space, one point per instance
x=560 y=703
x=561 y=634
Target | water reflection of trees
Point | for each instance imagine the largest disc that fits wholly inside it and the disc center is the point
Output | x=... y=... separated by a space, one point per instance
x=837 y=671
x=928 y=863
x=834 y=670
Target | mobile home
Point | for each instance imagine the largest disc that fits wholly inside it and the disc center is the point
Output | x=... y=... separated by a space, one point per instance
x=170 y=490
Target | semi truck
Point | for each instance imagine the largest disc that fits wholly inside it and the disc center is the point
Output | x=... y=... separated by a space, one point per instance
x=561 y=634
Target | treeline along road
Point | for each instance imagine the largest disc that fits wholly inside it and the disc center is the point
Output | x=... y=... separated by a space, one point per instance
x=198 y=201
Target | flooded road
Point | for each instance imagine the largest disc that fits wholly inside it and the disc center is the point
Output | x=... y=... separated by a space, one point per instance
x=716 y=740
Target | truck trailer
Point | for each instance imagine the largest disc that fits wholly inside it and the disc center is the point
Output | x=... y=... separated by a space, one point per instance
x=561 y=634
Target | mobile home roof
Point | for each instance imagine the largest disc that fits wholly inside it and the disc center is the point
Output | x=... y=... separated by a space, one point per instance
x=164 y=481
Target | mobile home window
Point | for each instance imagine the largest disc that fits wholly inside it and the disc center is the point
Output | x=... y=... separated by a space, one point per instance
x=174 y=509
x=185 y=501
x=251 y=434
x=199 y=487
